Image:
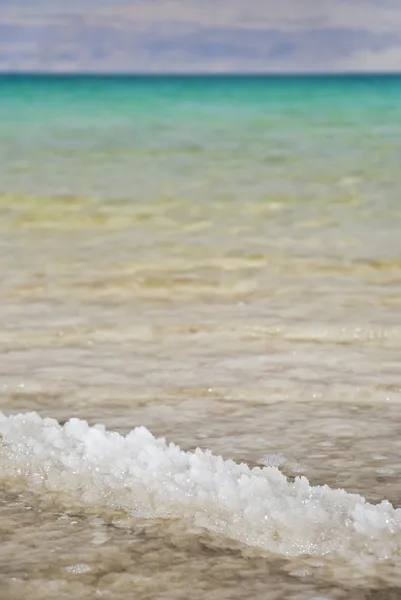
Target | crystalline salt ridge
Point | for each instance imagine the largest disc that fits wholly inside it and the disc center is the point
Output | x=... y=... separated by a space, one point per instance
x=146 y=476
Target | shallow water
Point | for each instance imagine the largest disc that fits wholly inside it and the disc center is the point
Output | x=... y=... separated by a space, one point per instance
x=232 y=284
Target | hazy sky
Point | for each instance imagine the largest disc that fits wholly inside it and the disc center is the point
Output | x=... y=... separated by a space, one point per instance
x=200 y=35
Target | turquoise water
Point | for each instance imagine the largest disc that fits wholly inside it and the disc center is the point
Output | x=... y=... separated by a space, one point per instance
x=216 y=259
x=108 y=136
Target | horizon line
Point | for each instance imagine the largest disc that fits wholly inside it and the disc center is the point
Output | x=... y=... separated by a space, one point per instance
x=200 y=73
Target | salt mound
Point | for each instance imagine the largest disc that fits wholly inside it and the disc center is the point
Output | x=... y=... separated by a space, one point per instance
x=147 y=477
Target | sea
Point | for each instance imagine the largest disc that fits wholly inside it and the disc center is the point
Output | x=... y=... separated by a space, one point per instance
x=200 y=306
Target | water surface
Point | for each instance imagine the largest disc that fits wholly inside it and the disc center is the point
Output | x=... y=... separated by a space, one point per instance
x=218 y=260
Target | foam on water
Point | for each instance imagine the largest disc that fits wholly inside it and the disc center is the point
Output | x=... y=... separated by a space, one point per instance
x=148 y=477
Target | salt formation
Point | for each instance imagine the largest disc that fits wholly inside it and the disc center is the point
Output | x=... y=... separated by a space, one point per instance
x=147 y=477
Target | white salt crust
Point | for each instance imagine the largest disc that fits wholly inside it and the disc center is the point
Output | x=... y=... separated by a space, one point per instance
x=149 y=478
